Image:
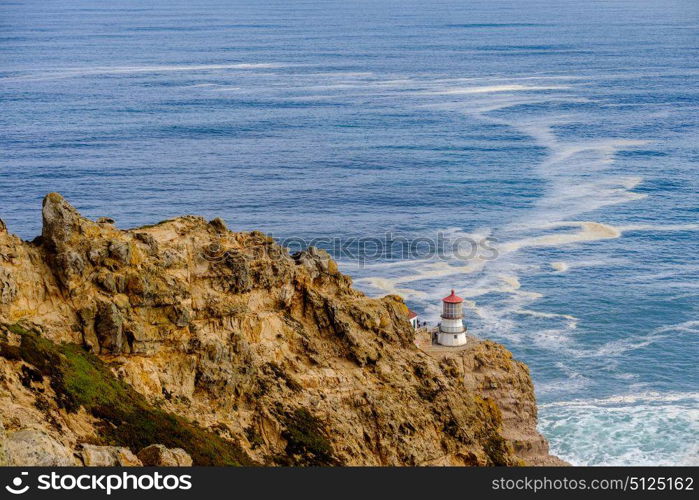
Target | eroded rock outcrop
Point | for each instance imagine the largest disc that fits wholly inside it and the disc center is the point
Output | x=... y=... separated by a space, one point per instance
x=108 y=456
x=36 y=448
x=253 y=355
x=160 y=456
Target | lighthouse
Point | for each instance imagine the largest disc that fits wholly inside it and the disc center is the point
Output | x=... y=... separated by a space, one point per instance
x=452 y=331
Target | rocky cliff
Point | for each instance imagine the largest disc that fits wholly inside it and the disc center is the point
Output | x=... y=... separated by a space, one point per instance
x=192 y=337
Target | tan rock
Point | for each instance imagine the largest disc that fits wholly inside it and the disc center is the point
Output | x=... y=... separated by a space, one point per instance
x=3 y=453
x=35 y=448
x=159 y=455
x=8 y=287
x=108 y=456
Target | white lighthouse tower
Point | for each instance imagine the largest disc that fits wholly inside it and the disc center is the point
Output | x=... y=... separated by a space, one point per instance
x=452 y=331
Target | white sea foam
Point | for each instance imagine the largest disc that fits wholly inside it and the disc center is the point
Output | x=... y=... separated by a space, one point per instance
x=345 y=74
x=508 y=283
x=615 y=348
x=486 y=89
x=618 y=347
x=560 y=267
x=588 y=231
x=686 y=327
x=564 y=266
x=508 y=79
x=200 y=85
x=489 y=107
x=645 y=429
x=564 y=385
x=119 y=70
x=547 y=315
x=573 y=381
x=606 y=149
x=648 y=428
x=659 y=227
x=432 y=269
x=628 y=399
x=512 y=282
x=389 y=286
x=480 y=104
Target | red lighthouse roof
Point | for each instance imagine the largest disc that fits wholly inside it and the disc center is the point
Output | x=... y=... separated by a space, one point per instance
x=453 y=298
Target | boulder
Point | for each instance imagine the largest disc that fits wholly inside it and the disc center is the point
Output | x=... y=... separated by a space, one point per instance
x=108 y=456
x=159 y=455
x=121 y=251
x=62 y=227
x=35 y=448
x=60 y=221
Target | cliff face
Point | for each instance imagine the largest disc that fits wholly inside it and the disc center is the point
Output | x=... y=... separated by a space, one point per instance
x=188 y=335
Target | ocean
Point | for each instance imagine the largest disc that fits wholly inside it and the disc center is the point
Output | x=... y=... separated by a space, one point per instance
x=565 y=134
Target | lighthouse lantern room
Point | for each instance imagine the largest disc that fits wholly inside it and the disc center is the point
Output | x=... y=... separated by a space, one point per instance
x=452 y=331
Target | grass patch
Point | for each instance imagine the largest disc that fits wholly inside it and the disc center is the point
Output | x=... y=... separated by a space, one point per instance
x=306 y=442
x=81 y=379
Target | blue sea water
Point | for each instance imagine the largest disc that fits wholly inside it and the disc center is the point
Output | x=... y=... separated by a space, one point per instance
x=567 y=131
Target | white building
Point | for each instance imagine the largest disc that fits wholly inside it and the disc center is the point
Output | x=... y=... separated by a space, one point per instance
x=412 y=317
x=452 y=331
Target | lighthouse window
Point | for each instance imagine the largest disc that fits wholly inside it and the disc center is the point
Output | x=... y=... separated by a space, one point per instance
x=455 y=337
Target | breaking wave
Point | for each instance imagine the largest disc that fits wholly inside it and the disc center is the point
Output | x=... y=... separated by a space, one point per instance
x=638 y=429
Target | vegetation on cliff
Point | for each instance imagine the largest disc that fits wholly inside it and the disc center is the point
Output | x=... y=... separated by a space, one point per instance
x=80 y=379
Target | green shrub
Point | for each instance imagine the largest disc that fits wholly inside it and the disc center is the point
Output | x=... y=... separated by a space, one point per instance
x=306 y=443
x=81 y=379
